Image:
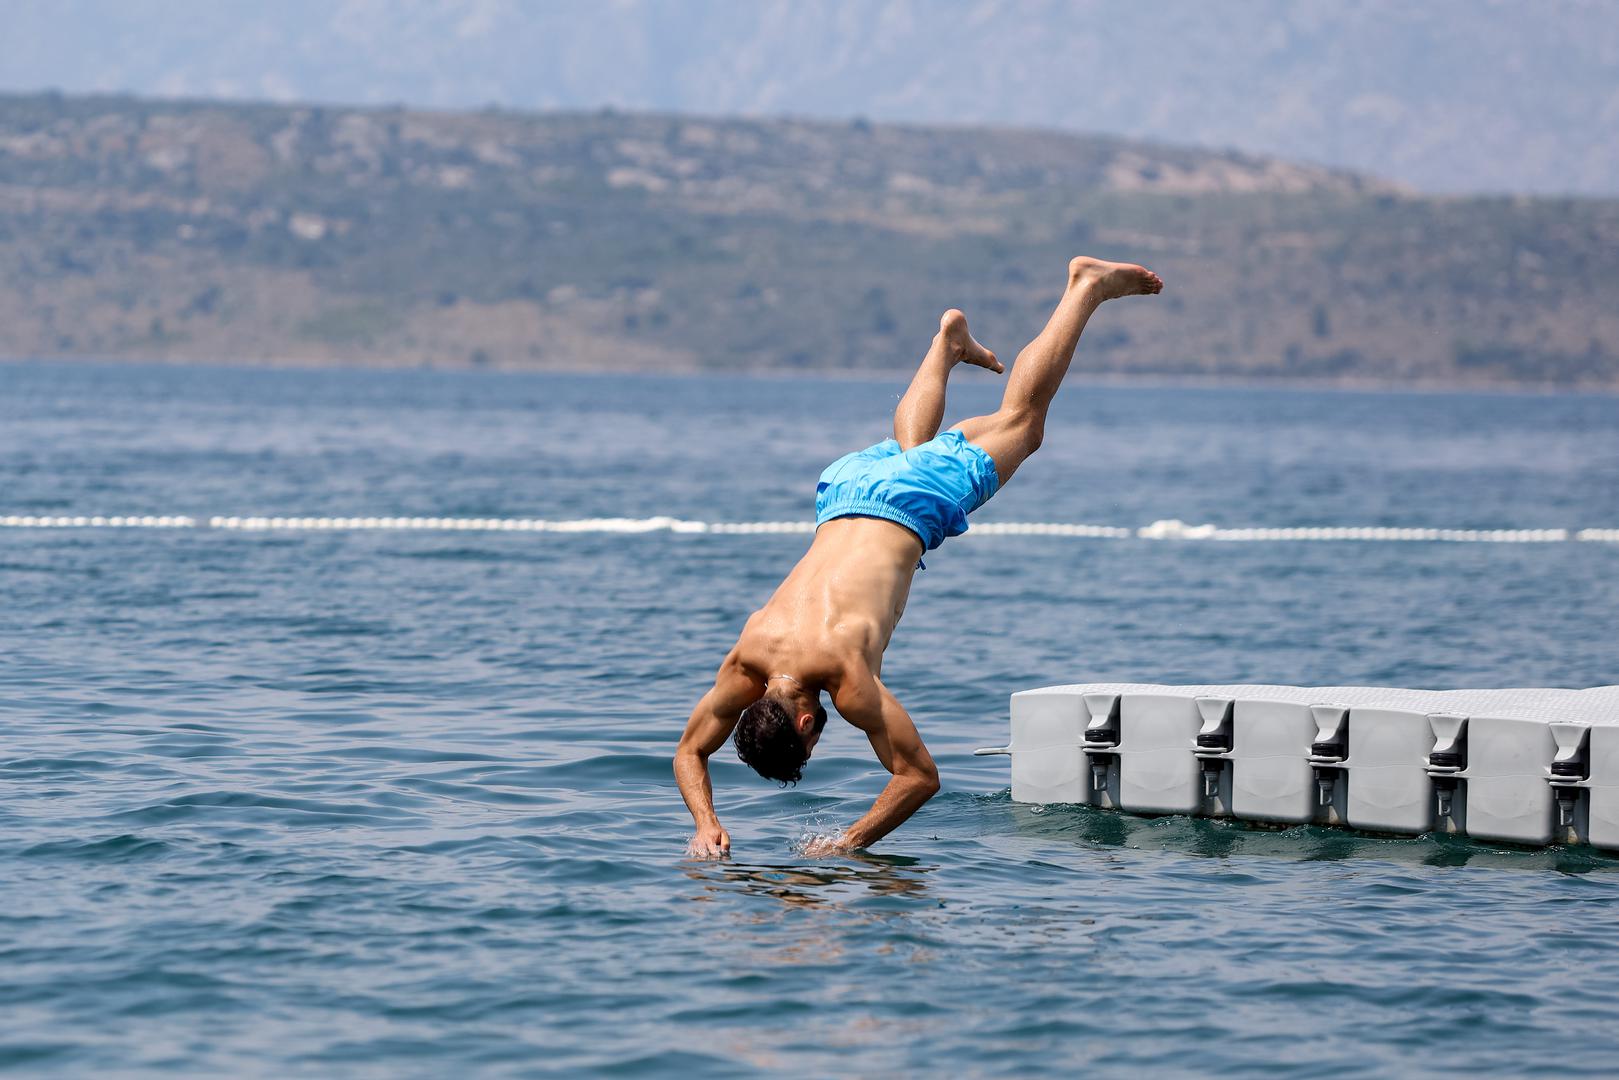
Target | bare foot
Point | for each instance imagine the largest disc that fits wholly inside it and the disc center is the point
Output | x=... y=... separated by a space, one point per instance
x=1111 y=279
x=960 y=345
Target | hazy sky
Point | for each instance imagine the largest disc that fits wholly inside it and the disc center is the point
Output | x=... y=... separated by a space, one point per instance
x=1461 y=95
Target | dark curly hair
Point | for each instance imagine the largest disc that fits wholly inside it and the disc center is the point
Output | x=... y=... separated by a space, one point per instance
x=768 y=743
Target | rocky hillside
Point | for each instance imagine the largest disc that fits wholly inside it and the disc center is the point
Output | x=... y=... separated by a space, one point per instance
x=1446 y=95
x=200 y=231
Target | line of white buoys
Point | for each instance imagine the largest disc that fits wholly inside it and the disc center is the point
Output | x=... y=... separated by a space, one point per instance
x=1049 y=528
x=1172 y=529
x=734 y=527
x=97 y=521
x=1167 y=529
x=252 y=523
x=1175 y=529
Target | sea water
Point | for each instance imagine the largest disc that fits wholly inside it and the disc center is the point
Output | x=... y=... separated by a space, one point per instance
x=337 y=801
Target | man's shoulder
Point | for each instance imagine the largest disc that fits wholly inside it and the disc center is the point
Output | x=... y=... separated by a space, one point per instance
x=736 y=666
x=852 y=683
x=752 y=644
x=736 y=684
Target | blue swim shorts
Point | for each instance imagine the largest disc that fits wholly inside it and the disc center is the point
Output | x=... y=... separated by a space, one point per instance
x=930 y=489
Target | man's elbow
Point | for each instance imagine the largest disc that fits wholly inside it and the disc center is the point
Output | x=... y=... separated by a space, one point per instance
x=926 y=782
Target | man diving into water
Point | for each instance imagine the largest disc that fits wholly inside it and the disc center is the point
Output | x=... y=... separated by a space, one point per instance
x=876 y=511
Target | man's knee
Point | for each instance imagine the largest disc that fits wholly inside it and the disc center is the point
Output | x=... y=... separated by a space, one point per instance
x=1026 y=426
x=1034 y=434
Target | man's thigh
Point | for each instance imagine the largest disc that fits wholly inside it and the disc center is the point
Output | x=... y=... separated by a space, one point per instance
x=1007 y=439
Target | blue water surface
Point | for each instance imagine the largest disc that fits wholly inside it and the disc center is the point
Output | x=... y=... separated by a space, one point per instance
x=399 y=804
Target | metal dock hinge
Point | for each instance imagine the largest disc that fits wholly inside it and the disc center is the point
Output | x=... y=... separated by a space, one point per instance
x=1569 y=771
x=1214 y=741
x=1101 y=738
x=1102 y=730
x=1329 y=751
x=1447 y=762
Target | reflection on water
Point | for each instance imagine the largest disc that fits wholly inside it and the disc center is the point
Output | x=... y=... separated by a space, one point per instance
x=1217 y=838
x=853 y=875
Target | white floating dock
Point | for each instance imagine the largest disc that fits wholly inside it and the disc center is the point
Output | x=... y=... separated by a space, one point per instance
x=1530 y=767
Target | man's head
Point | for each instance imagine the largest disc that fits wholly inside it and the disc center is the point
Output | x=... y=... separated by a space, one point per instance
x=775 y=735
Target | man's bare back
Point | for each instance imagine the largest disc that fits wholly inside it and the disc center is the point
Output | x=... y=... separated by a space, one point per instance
x=827 y=625
x=843 y=599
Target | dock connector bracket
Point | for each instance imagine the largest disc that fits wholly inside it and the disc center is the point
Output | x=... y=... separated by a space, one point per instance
x=1569 y=771
x=1329 y=750
x=1447 y=762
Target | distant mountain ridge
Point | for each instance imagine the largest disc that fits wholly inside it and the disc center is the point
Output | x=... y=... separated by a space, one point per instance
x=227 y=232
x=1445 y=95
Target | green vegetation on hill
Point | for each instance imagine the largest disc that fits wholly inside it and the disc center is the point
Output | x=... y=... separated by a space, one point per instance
x=143 y=229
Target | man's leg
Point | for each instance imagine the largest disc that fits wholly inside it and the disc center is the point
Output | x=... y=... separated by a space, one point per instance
x=1014 y=432
x=921 y=410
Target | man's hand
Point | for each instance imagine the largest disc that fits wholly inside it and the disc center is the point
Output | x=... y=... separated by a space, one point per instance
x=823 y=847
x=710 y=725
x=711 y=842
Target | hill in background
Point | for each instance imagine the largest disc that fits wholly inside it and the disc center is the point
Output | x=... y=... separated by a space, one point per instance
x=201 y=231
x=1446 y=95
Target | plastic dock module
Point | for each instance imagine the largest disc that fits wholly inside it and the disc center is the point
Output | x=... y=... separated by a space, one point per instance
x=1530 y=767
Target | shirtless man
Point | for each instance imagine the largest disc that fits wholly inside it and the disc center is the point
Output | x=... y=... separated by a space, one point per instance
x=826 y=627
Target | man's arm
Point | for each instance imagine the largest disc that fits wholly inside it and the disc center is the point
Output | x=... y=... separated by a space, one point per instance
x=865 y=702
x=710 y=725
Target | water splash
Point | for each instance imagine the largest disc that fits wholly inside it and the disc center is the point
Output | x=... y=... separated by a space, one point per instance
x=816 y=838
